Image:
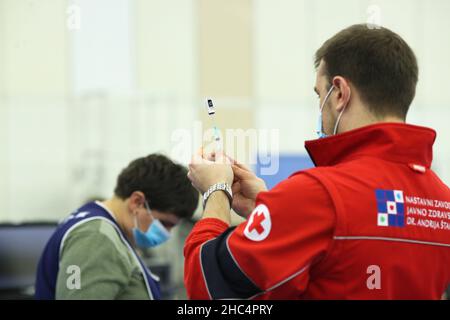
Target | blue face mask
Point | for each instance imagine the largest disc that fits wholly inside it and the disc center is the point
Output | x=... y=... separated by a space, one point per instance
x=155 y=235
x=319 y=129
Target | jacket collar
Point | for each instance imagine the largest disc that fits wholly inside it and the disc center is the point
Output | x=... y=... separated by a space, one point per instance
x=396 y=142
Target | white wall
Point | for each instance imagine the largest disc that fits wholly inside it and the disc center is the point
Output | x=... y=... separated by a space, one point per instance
x=4 y=181
x=288 y=32
x=77 y=105
x=102 y=49
x=33 y=88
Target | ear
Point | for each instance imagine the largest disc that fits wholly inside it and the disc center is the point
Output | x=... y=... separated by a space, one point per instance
x=344 y=92
x=136 y=201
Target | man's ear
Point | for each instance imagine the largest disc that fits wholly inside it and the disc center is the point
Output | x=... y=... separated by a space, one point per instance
x=344 y=92
x=136 y=201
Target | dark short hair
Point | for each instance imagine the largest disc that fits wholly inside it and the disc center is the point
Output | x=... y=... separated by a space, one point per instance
x=164 y=183
x=378 y=62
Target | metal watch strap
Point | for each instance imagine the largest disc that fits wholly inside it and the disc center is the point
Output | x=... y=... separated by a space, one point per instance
x=222 y=186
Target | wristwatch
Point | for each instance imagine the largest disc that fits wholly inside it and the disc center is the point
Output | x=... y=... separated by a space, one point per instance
x=222 y=186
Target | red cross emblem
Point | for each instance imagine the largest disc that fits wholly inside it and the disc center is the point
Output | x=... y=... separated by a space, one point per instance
x=259 y=224
x=256 y=223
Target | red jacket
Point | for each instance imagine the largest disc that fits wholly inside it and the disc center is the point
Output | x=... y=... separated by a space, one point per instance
x=371 y=221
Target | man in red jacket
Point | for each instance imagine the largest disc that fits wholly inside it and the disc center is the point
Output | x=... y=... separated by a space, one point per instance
x=371 y=221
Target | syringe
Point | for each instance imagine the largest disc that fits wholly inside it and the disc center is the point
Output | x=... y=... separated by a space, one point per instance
x=212 y=113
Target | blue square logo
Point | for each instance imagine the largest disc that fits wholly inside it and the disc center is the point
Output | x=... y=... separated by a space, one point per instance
x=390 y=208
x=381 y=195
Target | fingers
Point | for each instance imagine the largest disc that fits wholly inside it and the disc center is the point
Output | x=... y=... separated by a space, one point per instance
x=242 y=166
x=230 y=159
x=201 y=155
x=192 y=179
x=199 y=158
x=234 y=162
x=236 y=187
x=240 y=173
x=211 y=156
x=218 y=157
x=222 y=158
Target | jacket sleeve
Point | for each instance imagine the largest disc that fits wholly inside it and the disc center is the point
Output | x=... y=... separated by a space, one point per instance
x=104 y=271
x=270 y=255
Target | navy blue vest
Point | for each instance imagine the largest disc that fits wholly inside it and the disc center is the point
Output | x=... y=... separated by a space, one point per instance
x=48 y=266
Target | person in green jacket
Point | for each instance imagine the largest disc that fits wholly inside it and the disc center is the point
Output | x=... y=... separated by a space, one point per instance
x=152 y=195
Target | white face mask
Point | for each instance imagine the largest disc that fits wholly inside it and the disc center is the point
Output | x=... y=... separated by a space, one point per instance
x=321 y=134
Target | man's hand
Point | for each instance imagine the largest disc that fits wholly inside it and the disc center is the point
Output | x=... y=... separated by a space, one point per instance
x=205 y=172
x=245 y=188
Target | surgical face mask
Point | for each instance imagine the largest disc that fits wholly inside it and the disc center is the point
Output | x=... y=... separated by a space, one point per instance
x=156 y=233
x=320 y=133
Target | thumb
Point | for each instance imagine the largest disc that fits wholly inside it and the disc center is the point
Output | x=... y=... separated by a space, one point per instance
x=222 y=158
x=241 y=174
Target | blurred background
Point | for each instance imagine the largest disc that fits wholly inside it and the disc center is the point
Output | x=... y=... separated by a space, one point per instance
x=88 y=85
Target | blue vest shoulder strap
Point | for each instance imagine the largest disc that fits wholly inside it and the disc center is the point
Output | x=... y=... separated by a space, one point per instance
x=48 y=266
